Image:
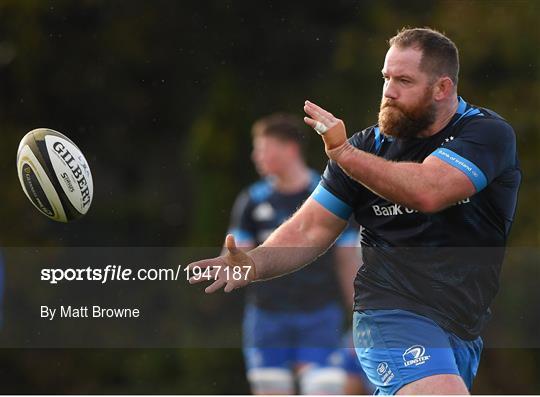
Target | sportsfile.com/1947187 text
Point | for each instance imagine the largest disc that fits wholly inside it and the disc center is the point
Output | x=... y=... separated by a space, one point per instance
x=108 y=273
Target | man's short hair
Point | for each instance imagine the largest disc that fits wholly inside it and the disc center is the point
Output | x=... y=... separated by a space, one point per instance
x=440 y=55
x=284 y=126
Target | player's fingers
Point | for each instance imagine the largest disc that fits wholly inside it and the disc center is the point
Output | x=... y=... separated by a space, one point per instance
x=230 y=244
x=314 y=113
x=319 y=121
x=310 y=122
x=201 y=264
x=204 y=263
x=229 y=287
x=317 y=112
x=216 y=285
x=317 y=109
x=196 y=280
x=214 y=273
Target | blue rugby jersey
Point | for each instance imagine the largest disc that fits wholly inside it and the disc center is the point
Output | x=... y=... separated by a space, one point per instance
x=444 y=265
x=257 y=212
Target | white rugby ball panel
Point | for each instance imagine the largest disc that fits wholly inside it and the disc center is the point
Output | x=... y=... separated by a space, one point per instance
x=72 y=171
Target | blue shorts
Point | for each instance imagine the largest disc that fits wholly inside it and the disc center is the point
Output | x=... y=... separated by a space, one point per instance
x=350 y=363
x=397 y=347
x=284 y=339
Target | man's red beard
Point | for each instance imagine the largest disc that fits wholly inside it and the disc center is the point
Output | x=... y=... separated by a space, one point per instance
x=399 y=122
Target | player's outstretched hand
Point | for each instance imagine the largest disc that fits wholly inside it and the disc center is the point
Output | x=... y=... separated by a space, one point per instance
x=233 y=270
x=331 y=129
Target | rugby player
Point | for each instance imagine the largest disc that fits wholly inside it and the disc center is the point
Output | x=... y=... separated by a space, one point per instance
x=434 y=185
x=292 y=325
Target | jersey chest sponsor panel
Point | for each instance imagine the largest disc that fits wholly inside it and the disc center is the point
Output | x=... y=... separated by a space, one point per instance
x=445 y=265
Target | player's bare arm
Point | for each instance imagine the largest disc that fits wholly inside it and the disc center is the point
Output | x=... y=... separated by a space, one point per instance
x=299 y=241
x=420 y=186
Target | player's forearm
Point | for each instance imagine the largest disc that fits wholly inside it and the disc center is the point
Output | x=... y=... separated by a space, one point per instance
x=271 y=262
x=288 y=249
x=399 y=182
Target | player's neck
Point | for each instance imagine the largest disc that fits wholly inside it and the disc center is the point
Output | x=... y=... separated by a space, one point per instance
x=443 y=118
x=295 y=179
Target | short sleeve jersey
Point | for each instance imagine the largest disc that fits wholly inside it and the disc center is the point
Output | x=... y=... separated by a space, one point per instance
x=443 y=265
x=257 y=212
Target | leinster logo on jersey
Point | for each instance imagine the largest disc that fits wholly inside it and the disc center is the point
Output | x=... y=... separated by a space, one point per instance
x=415 y=355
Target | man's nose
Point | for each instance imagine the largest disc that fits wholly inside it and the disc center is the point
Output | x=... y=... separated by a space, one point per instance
x=389 y=90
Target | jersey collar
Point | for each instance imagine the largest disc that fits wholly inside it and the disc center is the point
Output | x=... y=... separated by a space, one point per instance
x=462 y=105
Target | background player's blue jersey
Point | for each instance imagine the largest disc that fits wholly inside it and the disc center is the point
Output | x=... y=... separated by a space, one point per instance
x=258 y=211
x=436 y=264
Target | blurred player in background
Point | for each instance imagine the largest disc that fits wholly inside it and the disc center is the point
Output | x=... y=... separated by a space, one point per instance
x=292 y=325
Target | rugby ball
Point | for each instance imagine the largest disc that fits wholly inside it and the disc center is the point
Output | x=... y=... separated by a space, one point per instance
x=54 y=175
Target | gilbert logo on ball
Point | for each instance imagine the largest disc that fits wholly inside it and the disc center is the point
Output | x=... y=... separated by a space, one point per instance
x=54 y=175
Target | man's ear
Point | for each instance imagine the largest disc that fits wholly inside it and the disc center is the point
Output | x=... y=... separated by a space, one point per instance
x=443 y=88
